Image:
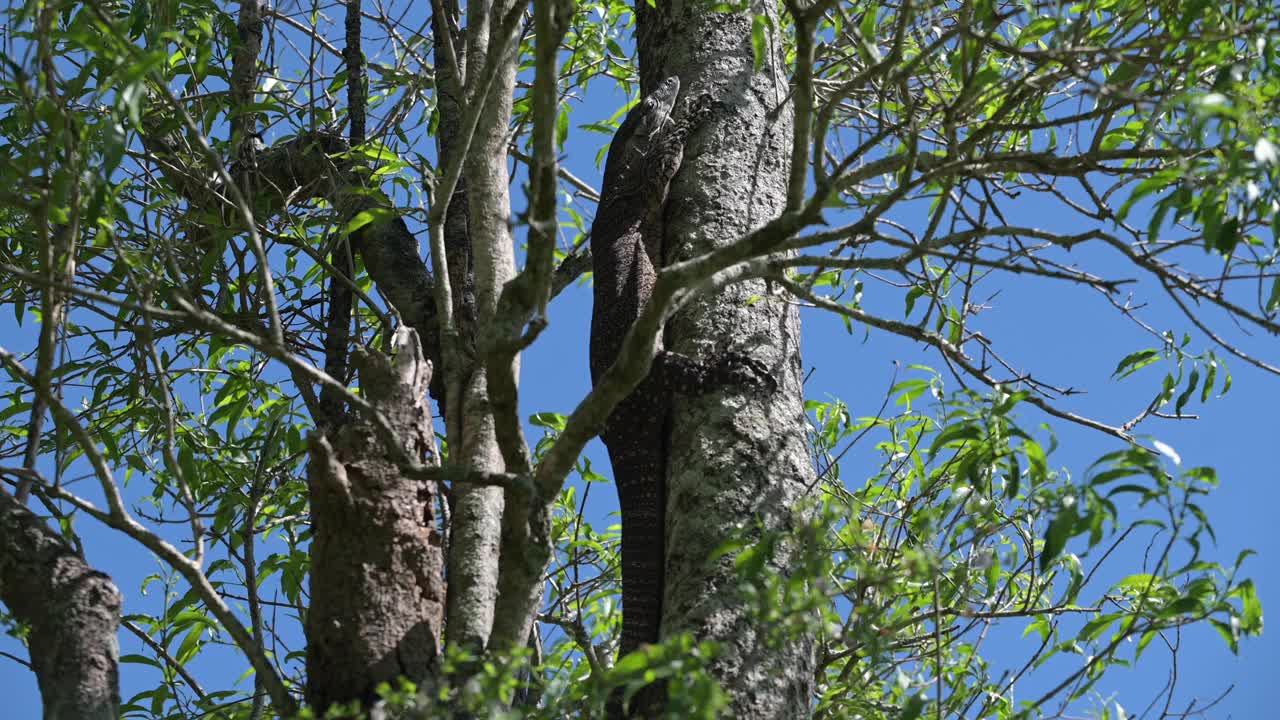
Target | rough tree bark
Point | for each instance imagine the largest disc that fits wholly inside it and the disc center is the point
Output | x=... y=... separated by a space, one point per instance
x=74 y=615
x=376 y=558
x=736 y=458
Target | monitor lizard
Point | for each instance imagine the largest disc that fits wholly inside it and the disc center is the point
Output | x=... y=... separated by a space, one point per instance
x=626 y=240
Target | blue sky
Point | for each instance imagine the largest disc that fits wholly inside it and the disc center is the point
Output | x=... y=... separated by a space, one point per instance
x=1067 y=336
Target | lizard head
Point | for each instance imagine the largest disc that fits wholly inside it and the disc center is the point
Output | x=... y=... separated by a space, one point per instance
x=656 y=108
x=641 y=132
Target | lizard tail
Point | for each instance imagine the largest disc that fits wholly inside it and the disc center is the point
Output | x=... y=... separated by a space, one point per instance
x=642 y=500
x=640 y=479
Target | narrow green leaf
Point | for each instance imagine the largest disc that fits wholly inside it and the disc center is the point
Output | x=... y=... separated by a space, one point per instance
x=955 y=434
x=1096 y=627
x=562 y=126
x=190 y=645
x=1056 y=538
x=759 y=48
x=1227 y=237
x=1035 y=30
x=1228 y=635
x=868 y=25
x=365 y=217
x=913 y=707
x=1124 y=74
x=1273 y=301
x=1185 y=395
x=1207 y=389
x=912 y=295
x=1134 y=362
x=1251 y=619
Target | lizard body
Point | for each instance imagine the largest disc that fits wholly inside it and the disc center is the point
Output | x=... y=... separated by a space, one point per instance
x=626 y=249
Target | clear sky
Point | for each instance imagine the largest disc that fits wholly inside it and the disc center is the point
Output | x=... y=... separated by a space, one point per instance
x=1067 y=336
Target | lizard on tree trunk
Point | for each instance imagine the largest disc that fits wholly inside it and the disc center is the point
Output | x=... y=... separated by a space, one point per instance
x=626 y=251
x=626 y=240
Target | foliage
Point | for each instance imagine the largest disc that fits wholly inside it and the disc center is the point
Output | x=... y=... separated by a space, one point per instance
x=969 y=532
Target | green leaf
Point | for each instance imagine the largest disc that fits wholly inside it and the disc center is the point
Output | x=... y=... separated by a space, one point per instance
x=1153 y=184
x=1060 y=530
x=1124 y=74
x=1226 y=238
x=1040 y=625
x=1207 y=389
x=993 y=573
x=139 y=660
x=562 y=126
x=1107 y=476
x=1138 y=583
x=955 y=434
x=190 y=645
x=1134 y=362
x=366 y=217
x=1035 y=30
x=868 y=25
x=1013 y=479
x=1147 y=637
x=1186 y=394
x=376 y=152
x=913 y=707
x=750 y=562
x=1096 y=627
x=1251 y=618
x=1037 y=461
x=1228 y=634
x=910 y=390
x=759 y=47
x=549 y=420
x=631 y=665
x=912 y=295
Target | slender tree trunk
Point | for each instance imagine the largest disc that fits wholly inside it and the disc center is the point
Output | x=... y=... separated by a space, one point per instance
x=73 y=611
x=735 y=459
x=476 y=529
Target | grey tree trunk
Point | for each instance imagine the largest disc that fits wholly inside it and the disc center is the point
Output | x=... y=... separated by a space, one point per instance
x=476 y=530
x=73 y=611
x=735 y=459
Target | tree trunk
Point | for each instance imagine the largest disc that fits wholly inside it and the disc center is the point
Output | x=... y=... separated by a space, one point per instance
x=476 y=530
x=73 y=611
x=737 y=460
x=377 y=592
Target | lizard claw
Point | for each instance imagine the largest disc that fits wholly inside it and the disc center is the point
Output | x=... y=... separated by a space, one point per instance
x=700 y=104
x=741 y=370
x=696 y=111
